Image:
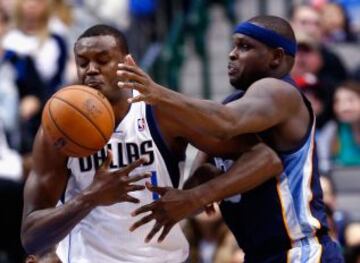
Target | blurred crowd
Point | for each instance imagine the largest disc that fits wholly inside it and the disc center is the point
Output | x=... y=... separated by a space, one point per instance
x=37 y=36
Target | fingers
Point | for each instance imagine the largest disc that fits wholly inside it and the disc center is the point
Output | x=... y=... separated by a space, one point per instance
x=134 y=165
x=107 y=162
x=130 y=199
x=136 y=99
x=153 y=231
x=156 y=189
x=141 y=222
x=164 y=233
x=132 y=85
x=139 y=177
x=143 y=209
x=129 y=60
x=135 y=187
x=126 y=72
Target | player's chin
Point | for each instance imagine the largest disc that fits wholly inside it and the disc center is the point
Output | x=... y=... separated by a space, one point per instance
x=234 y=81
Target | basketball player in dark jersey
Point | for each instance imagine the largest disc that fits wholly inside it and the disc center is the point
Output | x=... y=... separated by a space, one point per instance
x=283 y=219
x=98 y=192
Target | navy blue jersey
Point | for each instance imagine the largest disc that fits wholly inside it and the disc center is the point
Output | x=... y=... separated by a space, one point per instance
x=282 y=220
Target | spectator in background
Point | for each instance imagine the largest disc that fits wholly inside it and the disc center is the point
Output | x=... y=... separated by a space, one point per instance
x=352 y=238
x=307 y=19
x=21 y=94
x=352 y=234
x=347 y=111
x=142 y=26
x=337 y=219
x=32 y=37
x=11 y=189
x=335 y=24
x=320 y=100
x=205 y=234
x=39 y=57
x=61 y=19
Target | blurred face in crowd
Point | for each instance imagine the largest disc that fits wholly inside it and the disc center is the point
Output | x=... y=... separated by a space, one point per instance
x=307 y=19
x=307 y=60
x=3 y=23
x=35 y=10
x=347 y=105
x=332 y=17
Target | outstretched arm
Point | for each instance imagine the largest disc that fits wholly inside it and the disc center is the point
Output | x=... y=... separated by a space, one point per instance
x=250 y=170
x=44 y=225
x=267 y=103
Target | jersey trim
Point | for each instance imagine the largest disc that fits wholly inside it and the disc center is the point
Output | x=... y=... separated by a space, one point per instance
x=171 y=161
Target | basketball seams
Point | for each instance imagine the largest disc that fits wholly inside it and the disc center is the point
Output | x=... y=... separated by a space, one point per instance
x=63 y=133
x=84 y=115
x=84 y=89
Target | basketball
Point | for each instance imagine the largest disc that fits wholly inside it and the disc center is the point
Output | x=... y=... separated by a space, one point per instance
x=78 y=120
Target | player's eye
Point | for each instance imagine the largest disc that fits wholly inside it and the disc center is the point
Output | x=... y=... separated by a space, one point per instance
x=103 y=60
x=82 y=62
x=243 y=46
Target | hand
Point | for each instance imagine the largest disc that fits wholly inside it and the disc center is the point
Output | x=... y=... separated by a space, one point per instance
x=133 y=77
x=173 y=206
x=109 y=187
x=202 y=174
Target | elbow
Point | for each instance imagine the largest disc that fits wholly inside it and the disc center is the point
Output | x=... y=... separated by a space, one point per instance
x=225 y=131
x=274 y=162
x=27 y=240
x=276 y=165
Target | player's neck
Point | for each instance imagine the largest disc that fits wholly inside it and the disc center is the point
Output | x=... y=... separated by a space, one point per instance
x=121 y=108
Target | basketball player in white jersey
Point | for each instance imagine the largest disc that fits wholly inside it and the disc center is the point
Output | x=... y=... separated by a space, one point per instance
x=98 y=192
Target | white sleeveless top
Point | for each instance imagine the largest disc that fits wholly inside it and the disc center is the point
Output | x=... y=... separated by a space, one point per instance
x=103 y=235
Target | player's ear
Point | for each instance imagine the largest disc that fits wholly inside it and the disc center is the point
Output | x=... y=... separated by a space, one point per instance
x=278 y=55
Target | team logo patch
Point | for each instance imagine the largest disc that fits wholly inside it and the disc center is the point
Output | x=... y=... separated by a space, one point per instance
x=141 y=124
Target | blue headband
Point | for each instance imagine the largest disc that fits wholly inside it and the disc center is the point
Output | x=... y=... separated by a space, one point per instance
x=266 y=36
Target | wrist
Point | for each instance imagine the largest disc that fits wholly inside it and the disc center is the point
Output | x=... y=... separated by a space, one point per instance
x=87 y=200
x=199 y=197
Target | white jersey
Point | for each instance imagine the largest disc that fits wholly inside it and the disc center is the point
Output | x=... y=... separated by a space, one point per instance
x=103 y=235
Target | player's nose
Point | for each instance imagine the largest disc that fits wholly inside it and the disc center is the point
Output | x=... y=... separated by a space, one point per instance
x=92 y=69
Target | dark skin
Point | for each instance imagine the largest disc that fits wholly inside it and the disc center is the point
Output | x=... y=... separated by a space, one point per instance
x=44 y=225
x=269 y=105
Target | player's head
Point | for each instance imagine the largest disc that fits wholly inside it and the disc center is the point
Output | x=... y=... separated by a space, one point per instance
x=97 y=53
x=264 y=46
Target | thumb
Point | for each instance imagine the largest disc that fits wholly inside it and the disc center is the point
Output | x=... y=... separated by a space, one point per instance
x=107 y=161
x=129 y=60
x=156 y=189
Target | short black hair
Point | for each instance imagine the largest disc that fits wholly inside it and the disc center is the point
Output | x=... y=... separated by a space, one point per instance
x=106 y=30
x=275 y=23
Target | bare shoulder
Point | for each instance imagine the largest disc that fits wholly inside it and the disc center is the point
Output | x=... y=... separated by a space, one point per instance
x=278 y=91
x=268 y=86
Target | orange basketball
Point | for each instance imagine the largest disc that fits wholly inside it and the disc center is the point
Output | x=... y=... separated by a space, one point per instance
x=78 y=120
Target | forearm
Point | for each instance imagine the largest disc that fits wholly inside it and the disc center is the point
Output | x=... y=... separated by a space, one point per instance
x=44 y=228
x=251 y=170
x=208 y=117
